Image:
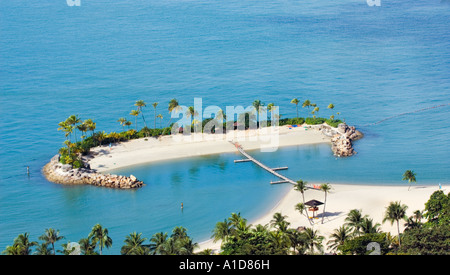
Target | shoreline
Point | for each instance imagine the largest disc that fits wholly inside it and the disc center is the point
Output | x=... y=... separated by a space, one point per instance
x=372 y=200
x=148 y=150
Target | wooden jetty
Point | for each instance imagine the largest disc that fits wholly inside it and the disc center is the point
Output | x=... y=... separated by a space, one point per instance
x=283 y=178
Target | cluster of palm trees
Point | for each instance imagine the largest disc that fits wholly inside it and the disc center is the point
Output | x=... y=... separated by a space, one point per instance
x=308 y=104
x=73 y=123
x=357 y=225
x=98 y=237
x=179 y=243
x=275 y=238
x=140 y=104
x=71 y=153
x=240 y=238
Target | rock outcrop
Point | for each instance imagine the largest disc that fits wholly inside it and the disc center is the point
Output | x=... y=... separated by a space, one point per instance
x=341 y=142
x=60 y=173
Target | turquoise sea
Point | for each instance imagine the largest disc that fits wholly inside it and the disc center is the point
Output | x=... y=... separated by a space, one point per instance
x=97 y=59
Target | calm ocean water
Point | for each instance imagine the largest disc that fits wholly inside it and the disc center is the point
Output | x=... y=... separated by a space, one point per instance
x=96 y=60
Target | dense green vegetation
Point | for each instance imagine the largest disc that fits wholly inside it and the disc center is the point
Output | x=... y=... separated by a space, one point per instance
x=427 y=232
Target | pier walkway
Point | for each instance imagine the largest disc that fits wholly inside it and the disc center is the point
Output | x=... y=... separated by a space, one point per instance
x=283 y=178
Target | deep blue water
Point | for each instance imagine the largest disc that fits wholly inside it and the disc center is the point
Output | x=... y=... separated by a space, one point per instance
x=96 y=60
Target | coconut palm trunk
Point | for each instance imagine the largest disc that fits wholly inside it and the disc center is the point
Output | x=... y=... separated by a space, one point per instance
x=325 y=188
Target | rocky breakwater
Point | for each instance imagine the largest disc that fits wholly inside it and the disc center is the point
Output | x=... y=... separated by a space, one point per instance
x=341 y=141
x=57 y=172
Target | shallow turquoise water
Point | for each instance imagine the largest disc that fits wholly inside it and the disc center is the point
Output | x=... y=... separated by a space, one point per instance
x=96 y=60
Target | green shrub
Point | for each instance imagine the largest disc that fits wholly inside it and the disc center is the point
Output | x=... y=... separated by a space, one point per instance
x=315 y=121
x=358 y=245
x=77 y=164
x=333 y=123
x=297 y=121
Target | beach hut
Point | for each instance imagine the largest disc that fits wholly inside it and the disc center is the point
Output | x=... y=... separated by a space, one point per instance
x=313 y=206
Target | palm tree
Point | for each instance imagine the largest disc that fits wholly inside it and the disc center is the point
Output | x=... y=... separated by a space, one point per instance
x=315 y=110
x=134 y=245
x=122 y=122
x=87 y=246
x=331 y=107
x=135 y=113
x=339 y=236
x=173 y=107
x=222 y=231
x=300 y=207
x=414 y=221
x=160 y=119
x=157 y=242
x=207 y=251
x=83 y=129
x=51 y=236
x=73 y=120
x=257 y=104
x=301 y=187
x=242 y=226
x=295 y=101
x=154 y=104
x=100 y=137
x=271 y=108
x=100 y=236
x=91 y=125
x=354 y=219
x=296 y=240
x=306 y=103
x=66 y=128
x=367 y=226
x=179 y=232
x=410 y=176
x=187 y=246
x=260 y=228
x=43 y=249
x=141 y=104
x=21 y=245
x=191 y=112
x=325 y=188
x=235 y=218
x=279 y=221
x=394 y=212
x=313 y=240
x=179 y=242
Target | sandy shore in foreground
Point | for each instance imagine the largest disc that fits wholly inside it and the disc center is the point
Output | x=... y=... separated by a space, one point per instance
x=371 y=200
x=178 y=146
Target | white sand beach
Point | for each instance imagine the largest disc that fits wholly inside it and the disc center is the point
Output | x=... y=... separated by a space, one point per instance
x=371 y=200
x=146 y=150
